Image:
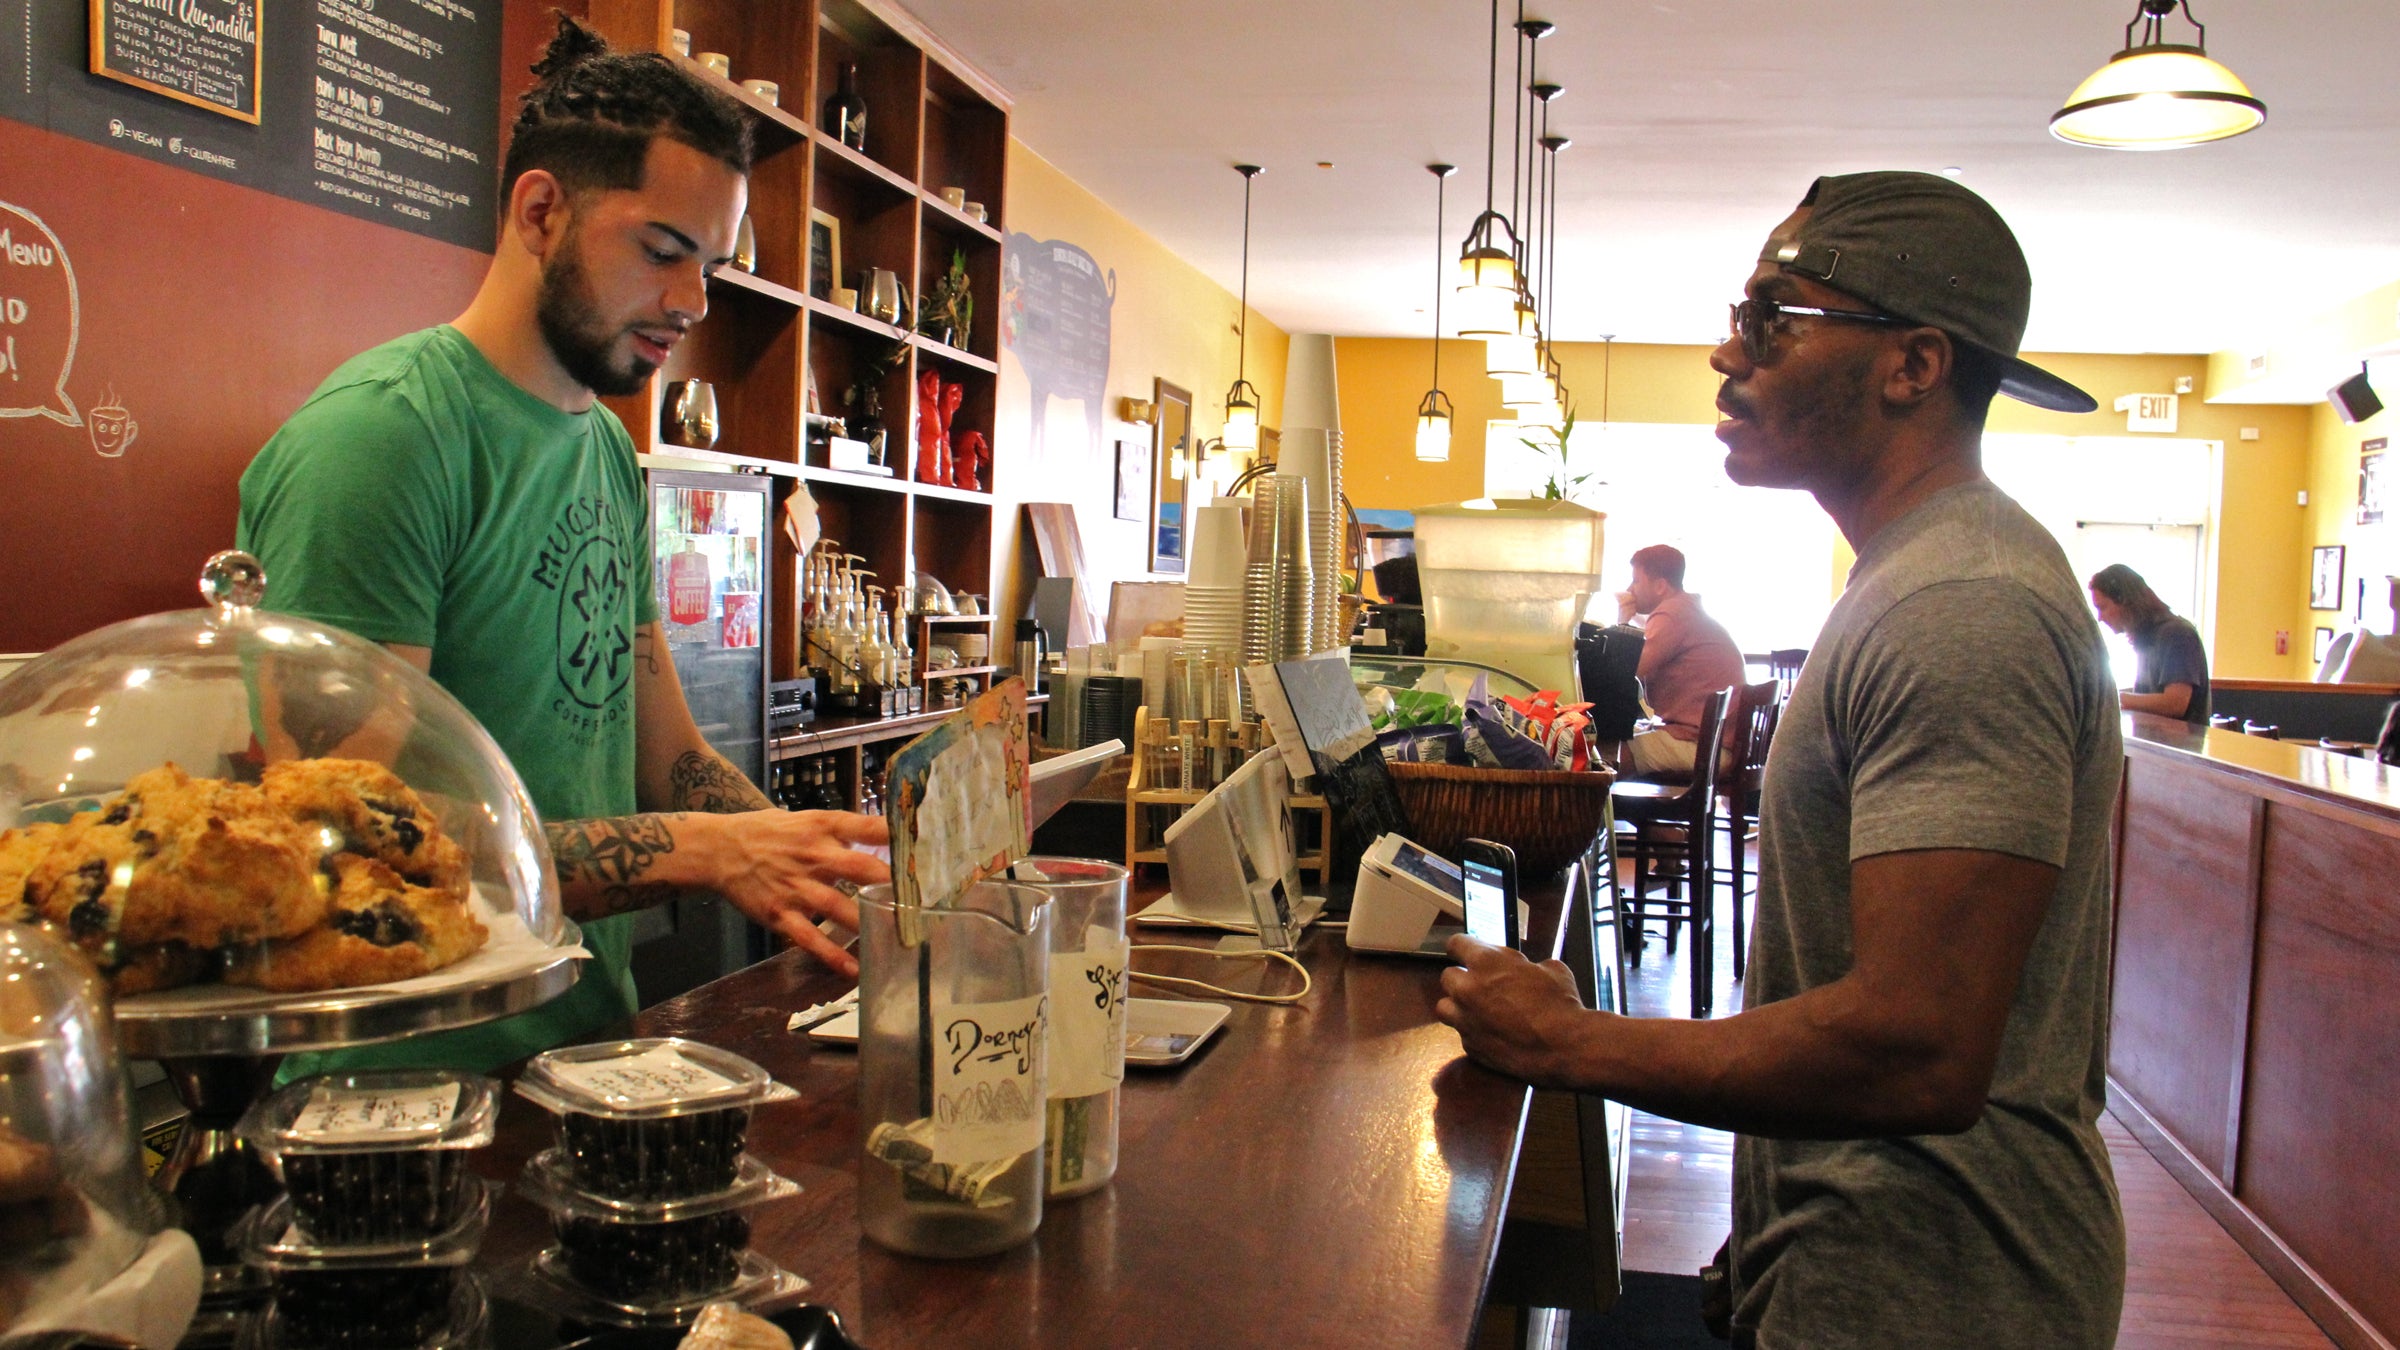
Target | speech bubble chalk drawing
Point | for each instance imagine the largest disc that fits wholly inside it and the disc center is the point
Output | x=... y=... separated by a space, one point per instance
x=41 y=318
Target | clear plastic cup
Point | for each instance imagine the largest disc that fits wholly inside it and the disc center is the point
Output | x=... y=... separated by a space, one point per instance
x=952 y=1049
x=1087 y=1017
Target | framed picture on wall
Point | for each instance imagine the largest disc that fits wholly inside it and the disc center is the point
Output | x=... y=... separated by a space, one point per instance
x=2318 y=648
x=1133 y=480
x=2325 y=577
x=2370 y=482
x=824 y=253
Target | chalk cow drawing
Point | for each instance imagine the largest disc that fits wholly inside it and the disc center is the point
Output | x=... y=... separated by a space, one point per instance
x=1054 y=314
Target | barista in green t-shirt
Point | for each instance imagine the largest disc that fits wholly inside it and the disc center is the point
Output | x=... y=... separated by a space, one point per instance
x=460 y=495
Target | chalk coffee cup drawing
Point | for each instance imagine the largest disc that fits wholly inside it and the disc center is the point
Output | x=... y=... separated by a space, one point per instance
x=767 y=90
x=690 y=417
x=112 y=428
x=718 y=62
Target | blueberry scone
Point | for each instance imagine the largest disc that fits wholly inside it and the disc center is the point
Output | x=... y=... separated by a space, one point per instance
x=372 y=814
x=378 y=927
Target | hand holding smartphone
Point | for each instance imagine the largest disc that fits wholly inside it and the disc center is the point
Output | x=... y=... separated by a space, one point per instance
x=1491 y=892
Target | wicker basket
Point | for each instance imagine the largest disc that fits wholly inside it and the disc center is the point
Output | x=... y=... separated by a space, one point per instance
x=1549 y=818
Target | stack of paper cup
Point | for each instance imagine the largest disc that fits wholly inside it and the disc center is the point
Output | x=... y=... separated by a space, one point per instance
x=1212 y=595
x=1312 y=426
x=1308 y=454
x=1279 y=583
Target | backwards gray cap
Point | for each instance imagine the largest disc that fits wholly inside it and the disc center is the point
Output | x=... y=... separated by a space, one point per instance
x=1921 y=247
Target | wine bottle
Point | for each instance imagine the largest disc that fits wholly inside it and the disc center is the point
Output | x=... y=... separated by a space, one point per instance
x=846 y=112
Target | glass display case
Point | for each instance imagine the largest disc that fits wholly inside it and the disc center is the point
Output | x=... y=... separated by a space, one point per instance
x=267 y=835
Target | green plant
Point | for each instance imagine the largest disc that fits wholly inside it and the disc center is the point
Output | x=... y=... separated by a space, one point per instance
x=1559 y=486
x=950 y=302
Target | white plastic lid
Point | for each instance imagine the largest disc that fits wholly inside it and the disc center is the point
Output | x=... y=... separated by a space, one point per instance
x=645 y=1079
x=547 y=1183
x=269 y=1240
x=379 y=1112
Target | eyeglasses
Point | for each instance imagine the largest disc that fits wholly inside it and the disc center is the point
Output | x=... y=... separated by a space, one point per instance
x=1754 y=321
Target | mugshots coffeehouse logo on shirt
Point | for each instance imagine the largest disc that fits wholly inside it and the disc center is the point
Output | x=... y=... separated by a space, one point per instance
x=587 y=562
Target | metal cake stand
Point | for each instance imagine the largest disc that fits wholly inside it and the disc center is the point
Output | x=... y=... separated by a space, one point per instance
x=222 y=1060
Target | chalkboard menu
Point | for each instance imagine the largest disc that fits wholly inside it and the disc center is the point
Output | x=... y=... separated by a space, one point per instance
x=387 y=110
x=1054 y=315
x=202 y=52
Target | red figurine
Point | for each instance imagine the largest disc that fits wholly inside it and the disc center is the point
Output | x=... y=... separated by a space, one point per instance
x=933 y=430
x=971 y=462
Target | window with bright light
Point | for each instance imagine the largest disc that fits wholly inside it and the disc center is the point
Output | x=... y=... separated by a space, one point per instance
x=1761 y=561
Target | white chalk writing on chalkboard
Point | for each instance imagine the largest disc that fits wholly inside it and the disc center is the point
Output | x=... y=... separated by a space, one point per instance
x=1054 y=316
x=41 y=319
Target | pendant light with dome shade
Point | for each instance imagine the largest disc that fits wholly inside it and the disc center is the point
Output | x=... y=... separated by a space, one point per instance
x=1487 y=271
x=1241 y=401
x=1434 y=413
x=2158 y=95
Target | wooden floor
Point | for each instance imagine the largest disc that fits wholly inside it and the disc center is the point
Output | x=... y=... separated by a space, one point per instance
x=2187 y=1284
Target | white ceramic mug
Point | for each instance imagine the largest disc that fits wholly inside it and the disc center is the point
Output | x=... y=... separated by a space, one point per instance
x=956 y=197
x=846 y=297
x=765 y=89
x=973 y=211
x=681 y=41
x=718 y=62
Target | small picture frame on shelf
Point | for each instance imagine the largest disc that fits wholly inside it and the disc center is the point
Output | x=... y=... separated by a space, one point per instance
x=2323 y=644
x=2370 y=481
x=824 y=253
x=1133 y=480
x=2325 y=577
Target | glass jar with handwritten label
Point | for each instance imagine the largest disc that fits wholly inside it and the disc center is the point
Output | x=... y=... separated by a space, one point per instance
x=1087 y=1017
x=952 y=1053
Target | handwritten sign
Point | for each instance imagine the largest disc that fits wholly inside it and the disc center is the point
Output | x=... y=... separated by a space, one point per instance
x=40 y=319
x=656 y=1077
x=1087 y=1016
x=989 y=1098
x=202 y=52
x=357 y=1115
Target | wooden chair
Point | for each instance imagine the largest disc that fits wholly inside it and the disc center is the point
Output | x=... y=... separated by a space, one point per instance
x=1784 y=664
x=1645 y=812
x=1756 y=709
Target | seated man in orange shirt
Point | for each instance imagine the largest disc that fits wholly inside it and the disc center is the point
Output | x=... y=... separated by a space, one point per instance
x=1686 y=657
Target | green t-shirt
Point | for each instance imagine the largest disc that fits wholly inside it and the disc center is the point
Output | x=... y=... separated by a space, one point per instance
x=422 y=497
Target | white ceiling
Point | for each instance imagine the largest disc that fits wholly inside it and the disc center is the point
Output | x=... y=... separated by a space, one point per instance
x=1697 y=124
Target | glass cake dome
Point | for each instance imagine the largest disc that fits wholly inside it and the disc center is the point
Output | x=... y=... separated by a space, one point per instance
x=230 y=810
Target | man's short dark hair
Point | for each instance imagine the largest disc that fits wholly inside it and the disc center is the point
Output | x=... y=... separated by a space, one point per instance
x=592 y=113
x=1663 y=561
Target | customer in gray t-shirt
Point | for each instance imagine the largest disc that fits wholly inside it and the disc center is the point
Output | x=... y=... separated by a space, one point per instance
x=1918 y=1069
x=1958 y=698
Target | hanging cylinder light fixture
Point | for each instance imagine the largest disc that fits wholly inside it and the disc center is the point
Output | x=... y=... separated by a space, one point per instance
x=1241 y=401
x=2158 y=95
x=1487 y=259
x=1434 y=412
x=1517 y=349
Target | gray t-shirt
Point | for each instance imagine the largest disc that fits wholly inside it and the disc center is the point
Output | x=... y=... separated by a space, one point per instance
x=2169 y=652
x=1958 y=698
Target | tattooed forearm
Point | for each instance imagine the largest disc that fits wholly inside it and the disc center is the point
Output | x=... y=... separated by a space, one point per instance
x=703 y=781
x=604 y=865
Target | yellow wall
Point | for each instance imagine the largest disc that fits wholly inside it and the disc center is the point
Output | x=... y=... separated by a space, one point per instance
x=2331 y=517
x=1169 y=322
x=2262 y=562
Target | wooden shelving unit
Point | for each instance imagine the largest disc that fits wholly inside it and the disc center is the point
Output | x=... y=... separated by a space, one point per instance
x=932 y=122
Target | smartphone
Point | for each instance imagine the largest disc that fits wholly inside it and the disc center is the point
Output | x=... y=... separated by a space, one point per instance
x=1491 y=892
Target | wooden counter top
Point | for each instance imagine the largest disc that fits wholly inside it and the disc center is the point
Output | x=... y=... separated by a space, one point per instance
x=2296 y=772
x=1333 y=1172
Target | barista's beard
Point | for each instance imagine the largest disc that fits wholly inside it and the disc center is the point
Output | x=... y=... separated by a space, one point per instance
x=578 y=336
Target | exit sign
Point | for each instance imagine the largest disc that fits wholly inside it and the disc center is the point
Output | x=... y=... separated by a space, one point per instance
x=2148 y=412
